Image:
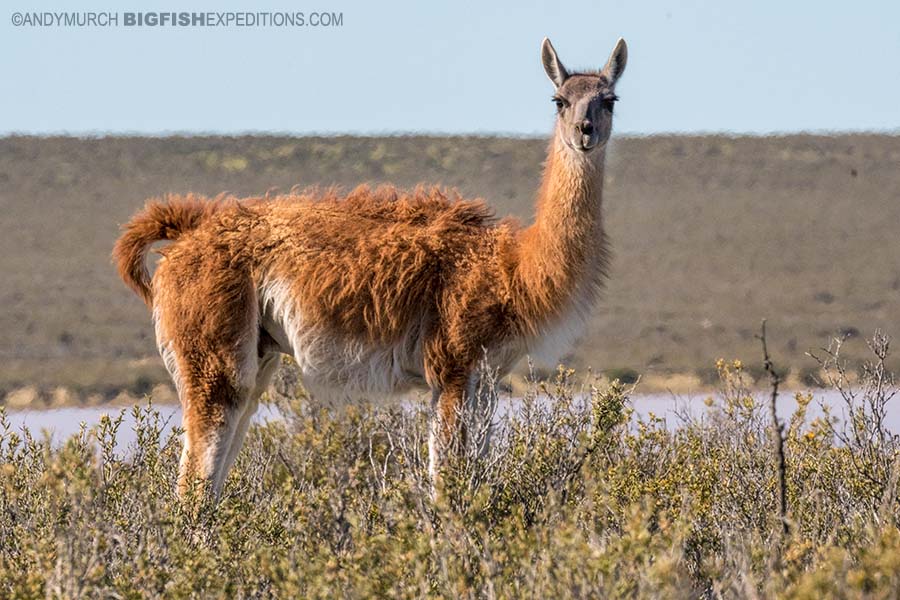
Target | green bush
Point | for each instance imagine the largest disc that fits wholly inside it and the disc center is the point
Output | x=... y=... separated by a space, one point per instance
x=577 y=497
x=626 y=375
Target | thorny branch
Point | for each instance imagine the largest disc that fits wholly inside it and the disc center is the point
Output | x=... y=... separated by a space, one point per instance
x=777 y=432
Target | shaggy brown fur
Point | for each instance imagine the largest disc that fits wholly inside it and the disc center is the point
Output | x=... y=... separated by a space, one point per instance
x=374 y=291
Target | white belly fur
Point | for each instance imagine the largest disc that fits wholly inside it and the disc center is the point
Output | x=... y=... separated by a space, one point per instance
x=343 y=368
x=336 y=367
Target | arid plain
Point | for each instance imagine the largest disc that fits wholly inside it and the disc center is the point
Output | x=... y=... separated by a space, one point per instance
x=710 y=235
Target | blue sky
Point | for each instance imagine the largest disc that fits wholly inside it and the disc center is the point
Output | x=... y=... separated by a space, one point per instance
x=462 y=67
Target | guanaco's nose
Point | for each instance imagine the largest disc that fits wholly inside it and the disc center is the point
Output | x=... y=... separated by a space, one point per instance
x=585 y=127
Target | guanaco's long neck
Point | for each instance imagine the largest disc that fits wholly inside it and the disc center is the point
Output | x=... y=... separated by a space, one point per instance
x=563 y=255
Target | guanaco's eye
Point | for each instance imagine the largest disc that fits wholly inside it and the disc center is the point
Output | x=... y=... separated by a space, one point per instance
x=560 y=103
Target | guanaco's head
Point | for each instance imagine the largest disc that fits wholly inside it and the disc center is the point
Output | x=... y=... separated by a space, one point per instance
x=584 y=100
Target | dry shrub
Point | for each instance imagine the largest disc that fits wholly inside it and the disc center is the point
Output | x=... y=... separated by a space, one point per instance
x=577 y=496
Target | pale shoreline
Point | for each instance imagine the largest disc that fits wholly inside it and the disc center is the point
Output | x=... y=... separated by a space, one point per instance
x=677 y=384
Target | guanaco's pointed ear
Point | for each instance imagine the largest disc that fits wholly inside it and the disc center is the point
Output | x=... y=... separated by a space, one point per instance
x=552 y=66
x=615 y=66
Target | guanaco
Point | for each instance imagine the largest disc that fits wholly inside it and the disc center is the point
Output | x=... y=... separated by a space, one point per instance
x=376 y=291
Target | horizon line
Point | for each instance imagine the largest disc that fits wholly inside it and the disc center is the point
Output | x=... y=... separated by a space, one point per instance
x=100 y=134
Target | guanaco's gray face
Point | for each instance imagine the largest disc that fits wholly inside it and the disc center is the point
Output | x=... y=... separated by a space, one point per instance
x=584 y=100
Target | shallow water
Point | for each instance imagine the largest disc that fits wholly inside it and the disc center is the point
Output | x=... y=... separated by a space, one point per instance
x=673 y=408
x=60 y=423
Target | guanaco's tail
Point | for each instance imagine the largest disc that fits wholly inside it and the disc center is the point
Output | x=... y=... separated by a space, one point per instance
x=164 y=219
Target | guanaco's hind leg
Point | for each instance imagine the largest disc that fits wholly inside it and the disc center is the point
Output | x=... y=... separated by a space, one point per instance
x=268 y=364
x=213 y=410
x=208 y=332
x=447 y=431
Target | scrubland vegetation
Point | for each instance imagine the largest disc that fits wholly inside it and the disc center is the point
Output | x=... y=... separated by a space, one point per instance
x=578 y=497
